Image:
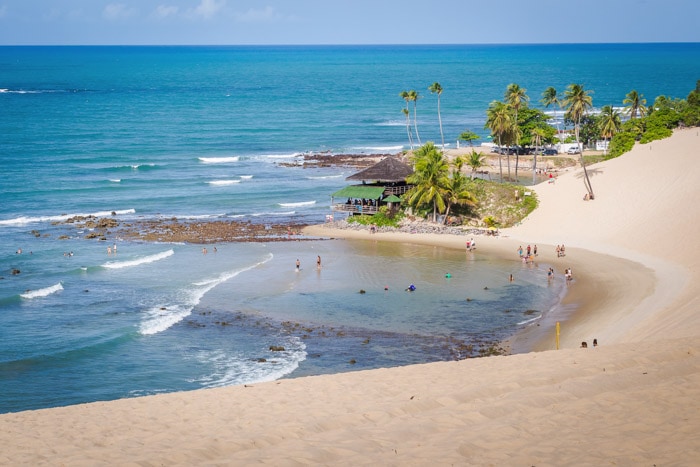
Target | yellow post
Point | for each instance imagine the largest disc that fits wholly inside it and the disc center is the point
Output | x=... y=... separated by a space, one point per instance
x=558 y=329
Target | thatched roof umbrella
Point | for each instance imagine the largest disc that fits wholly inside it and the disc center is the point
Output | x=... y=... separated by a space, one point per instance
x=389 y=169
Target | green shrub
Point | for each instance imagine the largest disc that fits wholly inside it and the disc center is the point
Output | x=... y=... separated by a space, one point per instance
x=654 y=133
x=382 y=219
x=621 y=143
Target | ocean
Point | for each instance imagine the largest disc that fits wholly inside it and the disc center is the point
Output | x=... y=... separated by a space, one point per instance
x=216 y=133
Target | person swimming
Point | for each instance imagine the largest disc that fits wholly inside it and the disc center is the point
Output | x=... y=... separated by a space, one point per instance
x=410 y=288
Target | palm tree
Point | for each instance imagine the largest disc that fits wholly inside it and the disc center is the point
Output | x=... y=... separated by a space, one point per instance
x=500 y=121
x=408 y=127
x=537 y=133
x=577 y=103
x=635 y=104
x=456 y=191
x=476 y=161
x=429 y=178
x=406 y=97
x=609 y=123
x=549 y=97
x=468 y=135
x=516 y=97
x=435 y=88
x=414 y=96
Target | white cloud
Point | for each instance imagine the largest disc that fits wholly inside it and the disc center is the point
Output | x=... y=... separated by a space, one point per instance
x=164 y=11
x=115 y=11
x=257 y=16
x=208 y=8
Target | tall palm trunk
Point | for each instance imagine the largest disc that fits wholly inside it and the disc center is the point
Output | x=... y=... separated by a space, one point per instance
x=500 y=158
x=508 y=161
x=517 y=145
x=415 y=121
x=442 y=136
x=408 y=126
x=587 y=181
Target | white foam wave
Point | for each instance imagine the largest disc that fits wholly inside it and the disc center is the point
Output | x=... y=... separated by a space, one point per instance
x=246 y=177
x=297 y=205
x=391 y=123
x=195 y=216
x=239 y=369
x=218 y=160
x=380 y=148
x=42 y=292
x=223 y=182
x=138 y=261
x=138 y=166
x=323 y=177
x=31 y=220
x=158 y=319
x=115 y=180
x=531 y=320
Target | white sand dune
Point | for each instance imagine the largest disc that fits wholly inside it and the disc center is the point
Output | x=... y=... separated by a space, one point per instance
x=634 y=400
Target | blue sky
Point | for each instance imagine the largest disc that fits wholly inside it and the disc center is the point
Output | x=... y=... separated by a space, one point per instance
x=88 y=22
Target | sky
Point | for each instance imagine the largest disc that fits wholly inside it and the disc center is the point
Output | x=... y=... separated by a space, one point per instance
x=246 y=22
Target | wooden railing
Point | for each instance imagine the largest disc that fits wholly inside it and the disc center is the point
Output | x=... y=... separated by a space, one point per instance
x=396 y=190
x=355 y=208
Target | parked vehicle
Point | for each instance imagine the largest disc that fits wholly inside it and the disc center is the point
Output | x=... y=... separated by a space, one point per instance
x=549 y=152
x=573 y=150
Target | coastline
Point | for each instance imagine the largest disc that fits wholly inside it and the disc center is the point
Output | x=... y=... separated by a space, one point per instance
x=580 y=308
x=629 y=401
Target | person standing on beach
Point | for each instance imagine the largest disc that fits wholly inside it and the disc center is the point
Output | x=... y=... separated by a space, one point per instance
x=298 y=264
x=534 y=250
x=318 y=262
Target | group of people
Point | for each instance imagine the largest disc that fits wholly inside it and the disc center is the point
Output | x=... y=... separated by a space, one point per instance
x=318 y=263
x=561 y=251
x=584 y=344
x=471 y=244
x=361 y=202
x=528 y=255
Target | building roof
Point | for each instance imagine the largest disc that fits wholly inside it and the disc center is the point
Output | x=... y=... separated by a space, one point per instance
x=389 y=169
x=360 y=192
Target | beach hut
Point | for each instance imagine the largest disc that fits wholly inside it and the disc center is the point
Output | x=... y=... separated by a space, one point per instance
x=382 y=184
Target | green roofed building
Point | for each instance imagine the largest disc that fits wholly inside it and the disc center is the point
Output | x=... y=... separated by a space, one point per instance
x=382 y=184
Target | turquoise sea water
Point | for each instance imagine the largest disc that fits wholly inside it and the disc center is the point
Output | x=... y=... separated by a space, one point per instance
x=200 y=132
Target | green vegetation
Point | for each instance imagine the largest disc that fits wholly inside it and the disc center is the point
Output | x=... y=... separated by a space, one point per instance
x=657 y=121
x=440 y=187
x=498 y=206
x=384 y=218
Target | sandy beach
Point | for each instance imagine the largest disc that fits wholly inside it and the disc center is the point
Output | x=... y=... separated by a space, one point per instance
x=633 y=400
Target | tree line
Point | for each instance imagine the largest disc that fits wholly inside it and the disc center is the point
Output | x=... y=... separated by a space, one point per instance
x=440 y=183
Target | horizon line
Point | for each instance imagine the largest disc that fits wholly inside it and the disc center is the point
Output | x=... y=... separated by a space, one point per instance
x=353 y=44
